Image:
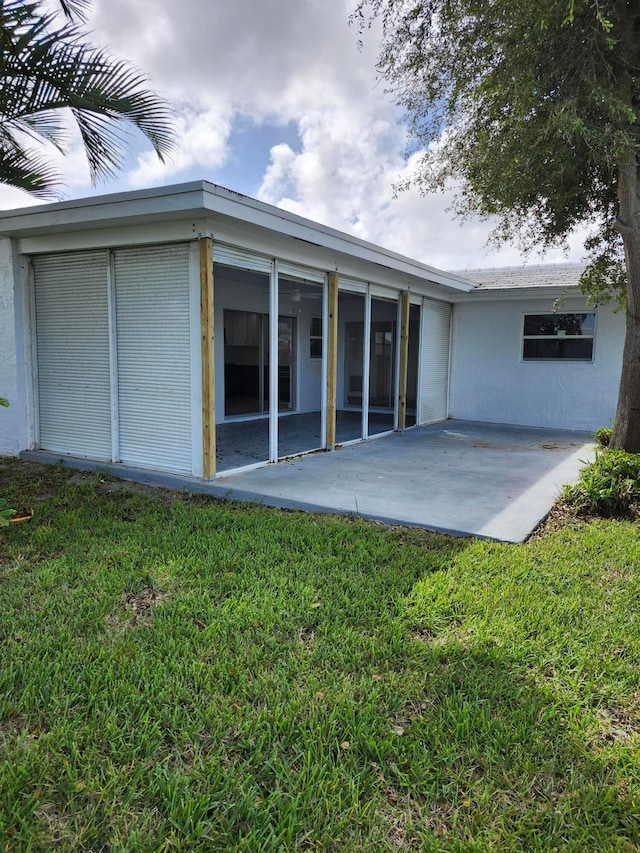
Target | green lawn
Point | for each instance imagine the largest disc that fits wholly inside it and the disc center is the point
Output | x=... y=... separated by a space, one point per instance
x=183 y=674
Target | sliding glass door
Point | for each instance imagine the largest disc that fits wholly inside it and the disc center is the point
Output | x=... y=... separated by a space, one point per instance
x=382 y=365
x=242 y=378
x=300 y=365
x=351 y=367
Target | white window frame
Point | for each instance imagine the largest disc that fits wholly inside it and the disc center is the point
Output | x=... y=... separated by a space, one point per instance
x=557 y=337
x=319 y=337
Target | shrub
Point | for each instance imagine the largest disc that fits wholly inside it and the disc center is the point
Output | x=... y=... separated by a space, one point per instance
x=610 y=485
x=603 y=436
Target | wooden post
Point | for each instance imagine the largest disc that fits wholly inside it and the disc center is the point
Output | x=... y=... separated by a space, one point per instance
x=404 y=361
x=332 y=359
x=207 y=359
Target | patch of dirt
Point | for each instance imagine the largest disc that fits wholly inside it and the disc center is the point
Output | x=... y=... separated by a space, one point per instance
x=306 y=637
x=454 y=634
x=55 y=824
x=618 y=725
x=403 y=811
x=109 y=486
x=560 y=515
x=137 y=608
x=404 y=717
x=31 y=481
x=563 y=515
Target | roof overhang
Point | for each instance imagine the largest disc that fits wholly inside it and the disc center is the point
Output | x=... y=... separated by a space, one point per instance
x=201 y=200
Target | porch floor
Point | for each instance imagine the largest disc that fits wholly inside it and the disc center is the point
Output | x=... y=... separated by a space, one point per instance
x=246 y=442
x=459 y=477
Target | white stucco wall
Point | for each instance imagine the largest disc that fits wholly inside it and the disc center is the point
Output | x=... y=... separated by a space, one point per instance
x=490 y=381
x=9 y=418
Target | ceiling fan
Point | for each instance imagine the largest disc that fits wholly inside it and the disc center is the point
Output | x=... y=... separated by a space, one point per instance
x=297 y=295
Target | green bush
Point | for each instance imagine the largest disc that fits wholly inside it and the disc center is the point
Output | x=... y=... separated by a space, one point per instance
x=609 y=486
x=603 y=436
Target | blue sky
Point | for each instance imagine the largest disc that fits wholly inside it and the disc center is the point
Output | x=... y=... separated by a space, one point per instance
x=274 y=99
x=250 y=146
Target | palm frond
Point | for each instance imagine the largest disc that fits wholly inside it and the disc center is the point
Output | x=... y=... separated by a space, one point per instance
x=46 y=68
x=75 y=9
x=28 y=171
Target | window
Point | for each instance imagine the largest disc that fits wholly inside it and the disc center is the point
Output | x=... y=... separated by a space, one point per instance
x=558 y=337
x=315 y=338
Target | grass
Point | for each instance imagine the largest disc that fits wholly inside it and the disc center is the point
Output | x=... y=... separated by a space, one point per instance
x=183 y=674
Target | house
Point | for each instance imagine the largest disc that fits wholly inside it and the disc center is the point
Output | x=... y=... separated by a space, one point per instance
x=527 y=349
x=193 y=330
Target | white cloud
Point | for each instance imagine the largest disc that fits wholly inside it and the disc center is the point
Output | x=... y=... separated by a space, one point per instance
x=203 y=137
x=283 y=61
x=11 y=198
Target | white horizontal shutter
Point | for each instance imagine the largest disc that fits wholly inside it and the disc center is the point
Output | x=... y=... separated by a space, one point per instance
x=287 y=270
x=351 y=285
x=154 y=364
x=434 y=377
x=72 y=343
x=234 y=257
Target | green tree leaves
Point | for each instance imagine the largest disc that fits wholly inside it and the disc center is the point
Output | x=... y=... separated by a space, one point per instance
x=531 y=108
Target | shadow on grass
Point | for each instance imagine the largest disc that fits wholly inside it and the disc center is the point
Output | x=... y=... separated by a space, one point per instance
x=274 y=696
x=488 y=758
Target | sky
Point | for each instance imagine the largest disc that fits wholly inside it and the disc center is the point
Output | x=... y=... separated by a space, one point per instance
x=276 y=99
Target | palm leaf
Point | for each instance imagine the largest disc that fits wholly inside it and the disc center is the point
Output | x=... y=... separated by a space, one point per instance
x=22 y=168
x=75 y=9
x=47 y=68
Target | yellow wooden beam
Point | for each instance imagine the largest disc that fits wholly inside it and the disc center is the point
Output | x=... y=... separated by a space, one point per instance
x=332 y=359
x=207 y=358
x=404 y=361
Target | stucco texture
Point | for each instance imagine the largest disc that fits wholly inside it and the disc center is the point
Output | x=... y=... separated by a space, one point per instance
x=490 y=382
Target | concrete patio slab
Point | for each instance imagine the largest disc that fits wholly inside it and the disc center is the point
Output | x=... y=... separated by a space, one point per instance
x=458 y=477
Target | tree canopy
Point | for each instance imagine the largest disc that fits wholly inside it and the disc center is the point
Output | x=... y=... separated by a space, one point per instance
x=531 y=108
x=49 y=69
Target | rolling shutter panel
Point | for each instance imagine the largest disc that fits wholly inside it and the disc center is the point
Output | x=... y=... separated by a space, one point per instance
x=434 y=377
x=233 y=257
x=293 y=271
x=154 y=360
x=72 y=334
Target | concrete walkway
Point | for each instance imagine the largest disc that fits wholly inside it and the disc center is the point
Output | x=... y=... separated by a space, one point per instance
x=458 y=477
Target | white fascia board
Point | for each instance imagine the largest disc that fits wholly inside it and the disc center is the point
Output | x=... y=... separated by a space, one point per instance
x=222 y=201
x=143 y=234
x=264 y=241
x=200 y=198
x=104 y=211
x=511 y=294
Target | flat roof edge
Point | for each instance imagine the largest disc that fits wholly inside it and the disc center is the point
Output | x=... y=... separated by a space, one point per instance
x=203 y=198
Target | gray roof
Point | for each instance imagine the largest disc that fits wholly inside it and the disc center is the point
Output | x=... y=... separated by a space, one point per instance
x=510 y=278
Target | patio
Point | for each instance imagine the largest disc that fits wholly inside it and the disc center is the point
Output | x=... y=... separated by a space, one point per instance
x=458 y=477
